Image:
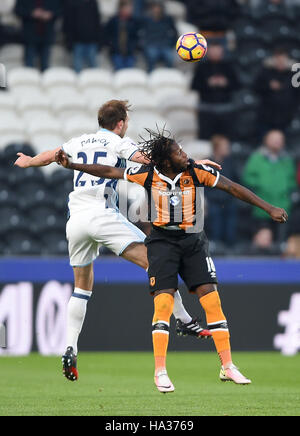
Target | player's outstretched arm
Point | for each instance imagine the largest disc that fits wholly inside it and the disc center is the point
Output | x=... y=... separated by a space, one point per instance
x=244 y=194
x=102 y=171
x=40 y=160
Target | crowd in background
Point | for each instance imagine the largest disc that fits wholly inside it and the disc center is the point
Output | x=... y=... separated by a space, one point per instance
x=252 y=47
x=85 y=33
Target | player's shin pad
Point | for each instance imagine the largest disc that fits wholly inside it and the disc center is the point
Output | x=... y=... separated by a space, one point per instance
x=161 y=327
x=218 y=326
x=160 y=338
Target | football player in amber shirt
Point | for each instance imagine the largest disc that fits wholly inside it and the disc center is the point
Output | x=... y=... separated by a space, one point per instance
x=177 y=243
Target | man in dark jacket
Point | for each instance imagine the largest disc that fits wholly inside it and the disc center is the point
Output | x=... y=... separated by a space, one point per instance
x=122 y=36
x=212 y=17
x=159 y=36
x=82 y=26
x=279 y=99
x=215 y=80
x=38 y=17
x=222 y=208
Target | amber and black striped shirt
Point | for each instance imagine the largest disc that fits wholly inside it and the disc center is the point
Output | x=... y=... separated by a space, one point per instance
x=174 y=202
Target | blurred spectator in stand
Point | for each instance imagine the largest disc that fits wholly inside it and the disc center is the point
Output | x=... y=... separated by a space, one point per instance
x=279 y=99
x=213 y=17
x=293 y=242
x=122 y=33
x=215 y=80
x=222 y=208
x=7 y=6
x=9 y=33
x=263 y=238
x=38 y=18
x=263 y=243
x=139 y=8
x=270 y=172
x=2 y=37
x=273 y=7
x=159 y=36
x=293 y=245
x=82 y=27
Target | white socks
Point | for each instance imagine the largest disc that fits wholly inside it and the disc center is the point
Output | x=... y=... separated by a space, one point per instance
x=76 y=314
x=179 y=310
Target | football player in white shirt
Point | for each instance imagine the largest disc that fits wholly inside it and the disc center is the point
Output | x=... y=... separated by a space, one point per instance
x=95 y=220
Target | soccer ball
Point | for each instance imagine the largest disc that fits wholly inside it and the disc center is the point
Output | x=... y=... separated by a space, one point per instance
x=191 y=47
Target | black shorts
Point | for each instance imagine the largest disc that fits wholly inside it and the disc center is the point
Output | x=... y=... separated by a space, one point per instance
x=171 y=253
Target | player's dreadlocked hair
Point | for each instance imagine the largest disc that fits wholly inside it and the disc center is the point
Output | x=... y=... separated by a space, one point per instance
x=157 y=148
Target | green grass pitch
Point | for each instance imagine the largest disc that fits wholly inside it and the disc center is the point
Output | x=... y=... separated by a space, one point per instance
x=121 y=384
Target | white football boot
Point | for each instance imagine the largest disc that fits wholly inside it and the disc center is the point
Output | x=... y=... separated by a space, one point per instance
x=233 y=374
x=163 y=383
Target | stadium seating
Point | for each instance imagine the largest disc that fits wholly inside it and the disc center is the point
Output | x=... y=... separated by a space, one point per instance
x=8 y=154
x=7 y=6
x=184 y=27
x=148 y=120
x=134 y=133
x=293 y=135
x=176 y=10
x=168 y=82
x=183 y=126
x=60 y=56
x=141 y=101
x=33 y=106
x=58 y=80
x=68 y=103
x=60 y=182
x=47 y=109
x=246 y=124
x=246 y=27
x=245 y=114
x=11 y=128
x=46 y=124
x=93 y=79
x=198 y=149
x=177 y=103
x=79 y=125
x=8 y=113
x=108 y=8
x=19 y=178
x=7 y=101
x=54 y=243
x=23 y=79
x=95 y=98
x=44 y=141
x=22 y=243
x=11 y=55
x=33 y=210
x=130 y=79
